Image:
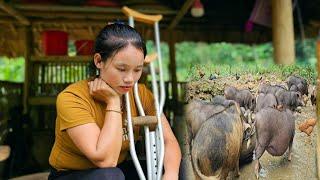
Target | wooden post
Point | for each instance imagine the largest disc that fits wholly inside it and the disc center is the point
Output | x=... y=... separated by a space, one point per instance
x=318 y=107
x=173 y=72
x=283 y=32
x=28 y=37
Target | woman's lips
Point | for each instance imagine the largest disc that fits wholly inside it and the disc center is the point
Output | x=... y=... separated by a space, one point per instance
x=126 y=88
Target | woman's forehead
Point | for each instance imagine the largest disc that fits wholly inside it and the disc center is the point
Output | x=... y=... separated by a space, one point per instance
x=129 y=55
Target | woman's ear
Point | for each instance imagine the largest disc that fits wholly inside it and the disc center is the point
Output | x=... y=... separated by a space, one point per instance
x=97 y=60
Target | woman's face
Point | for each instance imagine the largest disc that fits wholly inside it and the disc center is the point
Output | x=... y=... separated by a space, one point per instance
x=123 y=69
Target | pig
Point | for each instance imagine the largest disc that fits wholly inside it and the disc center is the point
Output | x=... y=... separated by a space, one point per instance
x=249 y=141
x=243 y=97
x=275 y=131
x=273 y=89
x=265 y=100
x=289 y=99
x=216 y=138
x=297 y=83
x=198 y=111
x=313 y=97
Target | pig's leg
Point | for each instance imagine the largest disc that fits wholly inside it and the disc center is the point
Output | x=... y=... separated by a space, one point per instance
x=237 y=169
x=290 y=149
x=256 y=156
x=189 y=138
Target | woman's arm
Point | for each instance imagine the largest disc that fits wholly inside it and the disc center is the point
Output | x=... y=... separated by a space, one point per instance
x=172 y=154
x=101 y=146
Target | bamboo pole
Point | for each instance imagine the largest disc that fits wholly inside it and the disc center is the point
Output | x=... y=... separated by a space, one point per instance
x=283 y=32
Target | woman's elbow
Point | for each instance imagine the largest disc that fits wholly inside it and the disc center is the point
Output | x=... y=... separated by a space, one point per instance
x=103 y=161
x=106 y=163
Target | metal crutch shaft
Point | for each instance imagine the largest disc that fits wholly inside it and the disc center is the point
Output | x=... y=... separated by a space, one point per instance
x=150 y=19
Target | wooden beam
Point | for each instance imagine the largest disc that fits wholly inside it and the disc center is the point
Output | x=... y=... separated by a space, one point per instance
x=14 y=13
x=68 y=22
x=42 y=100
x=61 y=58
x=28 y=37
x=8 y=20
x=173 y=70
x=87 y=9
x=69 y=15
x=283 y=32
x=186 y=6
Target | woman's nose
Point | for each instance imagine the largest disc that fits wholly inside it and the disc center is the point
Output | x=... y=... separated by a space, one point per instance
x=128 y=78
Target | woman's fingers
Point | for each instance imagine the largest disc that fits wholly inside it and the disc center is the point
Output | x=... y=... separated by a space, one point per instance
x=90 y=86
x=95 y=85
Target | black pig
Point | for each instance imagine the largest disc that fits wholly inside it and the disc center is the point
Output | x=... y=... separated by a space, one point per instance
x=274 y=133
x=216 y=130
x=243 y=97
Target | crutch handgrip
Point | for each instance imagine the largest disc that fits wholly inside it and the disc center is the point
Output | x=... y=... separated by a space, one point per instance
x=150 y=121
x=149 y=19
x=150 y=57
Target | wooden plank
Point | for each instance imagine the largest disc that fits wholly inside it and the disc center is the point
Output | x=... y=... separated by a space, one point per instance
x=186 y=6
x=11 y=11
x=42 y=100
x=61 y=58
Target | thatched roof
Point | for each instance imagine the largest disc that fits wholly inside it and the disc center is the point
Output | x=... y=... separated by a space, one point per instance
x=222 y=21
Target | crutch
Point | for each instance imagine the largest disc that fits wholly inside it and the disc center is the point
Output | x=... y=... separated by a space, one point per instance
x=154 y=141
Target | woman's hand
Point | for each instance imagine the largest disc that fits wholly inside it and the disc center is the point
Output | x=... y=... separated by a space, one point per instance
x=101 y=91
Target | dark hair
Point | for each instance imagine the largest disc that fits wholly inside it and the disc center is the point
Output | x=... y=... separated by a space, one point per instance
x=114 y=37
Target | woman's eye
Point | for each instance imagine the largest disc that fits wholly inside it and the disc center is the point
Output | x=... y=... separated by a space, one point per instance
x=121 y=69
x=138 y=70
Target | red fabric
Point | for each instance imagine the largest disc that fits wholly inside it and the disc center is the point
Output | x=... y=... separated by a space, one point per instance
x=261 y=13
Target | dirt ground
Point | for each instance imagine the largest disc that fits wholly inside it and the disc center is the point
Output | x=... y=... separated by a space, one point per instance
x=303 y=164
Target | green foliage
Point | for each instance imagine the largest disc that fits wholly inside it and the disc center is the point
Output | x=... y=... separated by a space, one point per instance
x=12 y=69
x=164 y=56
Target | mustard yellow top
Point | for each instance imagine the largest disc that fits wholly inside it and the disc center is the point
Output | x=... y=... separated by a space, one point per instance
x=75 y=107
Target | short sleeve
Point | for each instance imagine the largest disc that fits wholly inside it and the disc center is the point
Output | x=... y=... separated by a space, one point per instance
x=72 y=110
x=147 y=101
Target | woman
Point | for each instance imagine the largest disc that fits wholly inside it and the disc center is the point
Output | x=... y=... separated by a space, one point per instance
x=91 y=138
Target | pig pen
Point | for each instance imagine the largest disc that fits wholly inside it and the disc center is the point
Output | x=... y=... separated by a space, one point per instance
x=303 y=163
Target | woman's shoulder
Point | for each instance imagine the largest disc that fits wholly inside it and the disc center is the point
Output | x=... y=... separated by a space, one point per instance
x=79 y=89
x=143 y=88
